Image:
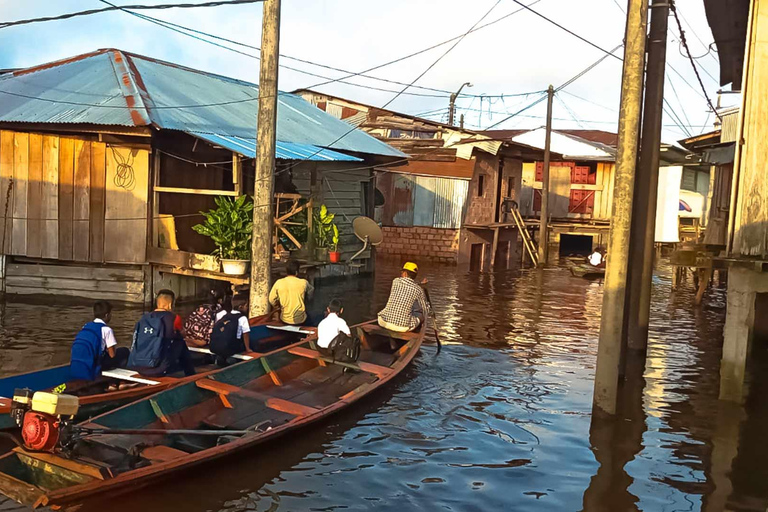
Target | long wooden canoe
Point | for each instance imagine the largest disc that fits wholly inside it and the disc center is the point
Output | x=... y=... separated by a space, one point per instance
x=236 y=408
x=95 y=398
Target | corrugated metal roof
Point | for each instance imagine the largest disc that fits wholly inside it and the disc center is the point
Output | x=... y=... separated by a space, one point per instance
x=285 y=150
x=111 y=87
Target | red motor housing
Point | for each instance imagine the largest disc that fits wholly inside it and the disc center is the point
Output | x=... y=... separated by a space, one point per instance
x=40 y=432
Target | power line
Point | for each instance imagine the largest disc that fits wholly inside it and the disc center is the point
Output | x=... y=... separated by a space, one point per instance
x=574 y=34
x=174 y=26
x=673 y=7
x=456 y=43
x=216 y=3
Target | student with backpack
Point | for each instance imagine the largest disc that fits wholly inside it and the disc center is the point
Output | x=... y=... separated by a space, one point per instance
x=158 y=345
x=95 y=348
x=199 y=324
x=334 y=339
x=231 y=332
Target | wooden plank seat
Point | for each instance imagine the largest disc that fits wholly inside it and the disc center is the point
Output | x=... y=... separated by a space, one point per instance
x=128 y=375
x=161 y=453
x=293 y=328
x=278 y=404
x=379 y=371
x=378 y=330
x=241 y=357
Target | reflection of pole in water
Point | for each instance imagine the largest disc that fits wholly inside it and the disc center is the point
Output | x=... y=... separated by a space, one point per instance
x=616 y=441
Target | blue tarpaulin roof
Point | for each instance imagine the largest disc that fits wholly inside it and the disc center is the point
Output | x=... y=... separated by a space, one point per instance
x=285 y=150
x=111 y=87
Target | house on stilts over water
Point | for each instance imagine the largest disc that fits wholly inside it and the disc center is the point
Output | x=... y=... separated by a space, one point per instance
x=107 y=158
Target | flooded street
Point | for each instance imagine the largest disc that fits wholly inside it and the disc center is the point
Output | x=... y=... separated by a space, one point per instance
x=500 y=420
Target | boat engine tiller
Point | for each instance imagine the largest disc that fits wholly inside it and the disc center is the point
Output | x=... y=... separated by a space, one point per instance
x=44 y=418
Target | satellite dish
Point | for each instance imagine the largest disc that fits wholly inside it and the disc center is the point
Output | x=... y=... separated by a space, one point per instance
x=368 y=231
x=366 y=227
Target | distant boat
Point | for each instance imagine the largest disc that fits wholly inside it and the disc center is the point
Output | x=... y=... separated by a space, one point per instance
x=206 y=418
x=587 y=271
x=96 y=399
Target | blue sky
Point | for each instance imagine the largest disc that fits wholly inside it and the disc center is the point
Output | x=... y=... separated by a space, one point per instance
x=520 y=54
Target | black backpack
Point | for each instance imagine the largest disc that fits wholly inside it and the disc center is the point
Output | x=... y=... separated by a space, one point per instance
x=224 y=342
x=344 y=349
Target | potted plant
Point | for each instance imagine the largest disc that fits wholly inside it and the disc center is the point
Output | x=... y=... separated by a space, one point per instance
x=230 y=227
x=333 y=254
x=326 y=235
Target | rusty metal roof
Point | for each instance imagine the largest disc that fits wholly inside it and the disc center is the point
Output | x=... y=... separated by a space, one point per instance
x=116 y=88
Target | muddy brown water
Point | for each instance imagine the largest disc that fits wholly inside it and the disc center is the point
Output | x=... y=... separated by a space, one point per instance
x=501 y=420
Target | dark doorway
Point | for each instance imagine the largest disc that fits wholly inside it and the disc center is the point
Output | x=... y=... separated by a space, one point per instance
x=476 y=258
x=575 y=245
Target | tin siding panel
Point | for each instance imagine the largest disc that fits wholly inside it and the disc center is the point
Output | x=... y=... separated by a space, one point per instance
x=424 y=201
x=402 y=188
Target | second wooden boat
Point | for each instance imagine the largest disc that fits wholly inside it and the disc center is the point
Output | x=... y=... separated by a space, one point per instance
x=587 y=271
x=204 y=419
x=98 y=396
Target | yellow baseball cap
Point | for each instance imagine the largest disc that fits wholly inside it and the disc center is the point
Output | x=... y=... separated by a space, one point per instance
x=411 y=267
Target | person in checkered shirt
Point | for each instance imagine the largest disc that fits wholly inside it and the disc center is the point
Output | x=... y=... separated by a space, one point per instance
x=407 y=305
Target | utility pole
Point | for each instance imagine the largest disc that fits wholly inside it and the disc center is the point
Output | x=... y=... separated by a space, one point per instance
x=261 y=257
x=614 y=289
x=452 y=105
x=647 y=183
x=544 y=220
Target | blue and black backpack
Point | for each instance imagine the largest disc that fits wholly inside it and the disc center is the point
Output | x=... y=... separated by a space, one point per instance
x=148 y=338
x=86 y=353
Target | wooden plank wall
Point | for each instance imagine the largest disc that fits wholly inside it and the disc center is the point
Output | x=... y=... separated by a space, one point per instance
x=342 y=194
x=66 y=203
x=115 y=284
x=127 y=186
x=751 y=208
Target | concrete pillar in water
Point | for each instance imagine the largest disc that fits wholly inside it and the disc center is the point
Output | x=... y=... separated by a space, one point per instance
x=737 y=335
x=612 y=321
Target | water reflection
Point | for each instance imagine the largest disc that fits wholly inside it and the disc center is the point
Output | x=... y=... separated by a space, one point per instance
x=501 y=420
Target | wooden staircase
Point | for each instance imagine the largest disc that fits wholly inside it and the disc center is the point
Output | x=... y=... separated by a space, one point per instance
x=528 y=243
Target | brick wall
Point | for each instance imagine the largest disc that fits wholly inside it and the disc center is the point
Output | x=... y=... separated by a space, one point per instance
x=431 y=244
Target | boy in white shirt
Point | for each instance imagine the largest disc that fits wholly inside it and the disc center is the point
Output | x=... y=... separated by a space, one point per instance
x=226 y=340
x=332 y=325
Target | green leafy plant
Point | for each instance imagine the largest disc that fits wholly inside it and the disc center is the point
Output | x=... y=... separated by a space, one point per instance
x=230 y=227
x=326 y=231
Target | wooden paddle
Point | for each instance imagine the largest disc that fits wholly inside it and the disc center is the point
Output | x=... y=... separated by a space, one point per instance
x=434 y=320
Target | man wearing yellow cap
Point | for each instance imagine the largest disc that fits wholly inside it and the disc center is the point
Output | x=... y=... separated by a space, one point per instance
x=407 y=304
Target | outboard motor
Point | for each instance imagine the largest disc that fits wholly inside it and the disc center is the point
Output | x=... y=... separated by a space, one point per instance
x=43 y=418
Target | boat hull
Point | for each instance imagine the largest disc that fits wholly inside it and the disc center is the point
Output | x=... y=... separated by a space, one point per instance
x=262 y=394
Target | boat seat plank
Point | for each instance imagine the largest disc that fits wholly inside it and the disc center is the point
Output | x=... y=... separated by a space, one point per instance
x=203 y=350
x=379 y=371
x=290 y=328
x=127 y=375
x=378 y=330
x=331 y=392
x=243 y=418
x=162 y=453
x=273 y=403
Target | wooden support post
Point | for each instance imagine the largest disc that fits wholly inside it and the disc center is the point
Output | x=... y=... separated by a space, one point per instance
x=155 y=199
x=261 y=257
x=494 y=247
x=612 y=320
x=647 y=183
x=237 y=174
x=314 y=196
x=544 y=229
